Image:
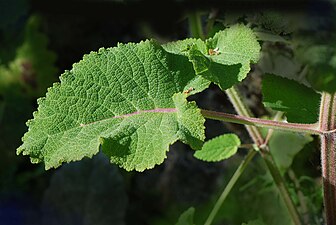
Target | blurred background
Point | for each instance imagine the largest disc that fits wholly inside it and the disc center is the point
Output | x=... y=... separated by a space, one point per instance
x=40 y=39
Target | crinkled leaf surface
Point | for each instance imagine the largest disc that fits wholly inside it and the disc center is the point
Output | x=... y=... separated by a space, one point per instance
x=187 y=217
x=182 y=46
x=236 y=45
x=219 y=148
x=224 y=59
x=225 y=76
x=122 y=99
x=89 y=192
x=300 y=103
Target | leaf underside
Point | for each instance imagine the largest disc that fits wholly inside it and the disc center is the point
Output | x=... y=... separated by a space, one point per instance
x=119 y=98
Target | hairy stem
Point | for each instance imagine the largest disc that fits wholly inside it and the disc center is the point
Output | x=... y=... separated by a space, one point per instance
x=256 y=135
x=242 y=110
x=277 y=117
x=271 y=124
x=229 y=187
x=327 y=121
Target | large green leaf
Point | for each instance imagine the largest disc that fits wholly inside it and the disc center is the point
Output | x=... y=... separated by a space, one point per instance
x=300 y=103
x=122 y=99
x=219 y=148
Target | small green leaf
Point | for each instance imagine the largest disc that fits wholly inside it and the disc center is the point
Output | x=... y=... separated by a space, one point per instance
x=122 y=99
x=219 y=148
x=300 y=103
x=236 y=45
x=224 y=59
x=187 y=217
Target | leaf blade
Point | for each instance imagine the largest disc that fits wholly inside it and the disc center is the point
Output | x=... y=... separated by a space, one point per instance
x=107 y=95
x=219 y=148
x=298 y=101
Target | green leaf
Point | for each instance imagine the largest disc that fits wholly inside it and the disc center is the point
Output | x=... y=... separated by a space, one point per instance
x=187 y=218
x=122 y=99
x=225 y=76
x=236 y=45
x=224 y=59
x=219 y=148
x=300 y=103
x=284 y=146
x=90 y=191
x=181 y=47
x=323 y=78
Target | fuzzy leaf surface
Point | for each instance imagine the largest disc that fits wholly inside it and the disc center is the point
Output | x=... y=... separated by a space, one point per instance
x=219 y=148
x=187 y=217
x=300 y=103
x=122 y=99
x=224 y=59
x=236 y=45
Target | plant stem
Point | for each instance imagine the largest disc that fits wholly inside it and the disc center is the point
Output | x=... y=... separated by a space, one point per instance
x=195 y=25
x=277 y=117
x=229 y=186
x=294 y=127
x=274 y=171
x=242 y=110
x=328 y=155
x=256 y=135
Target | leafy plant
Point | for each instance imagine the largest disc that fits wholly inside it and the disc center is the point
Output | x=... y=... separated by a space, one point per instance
x=132 y=102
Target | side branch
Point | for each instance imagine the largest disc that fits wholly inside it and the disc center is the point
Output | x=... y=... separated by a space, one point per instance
x=270 y=124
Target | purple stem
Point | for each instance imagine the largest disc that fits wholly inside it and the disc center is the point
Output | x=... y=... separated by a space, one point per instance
x=271 y=124
x=328 y=155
